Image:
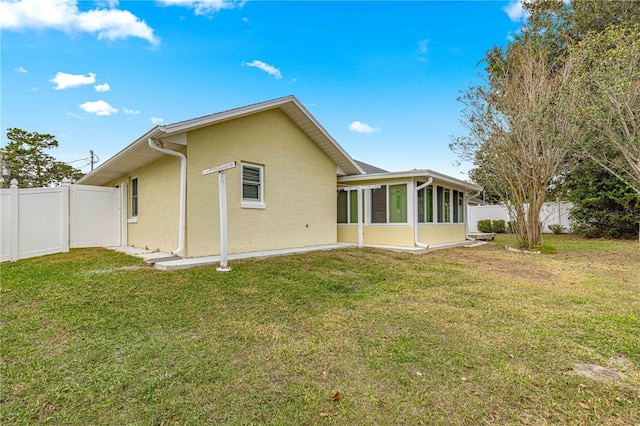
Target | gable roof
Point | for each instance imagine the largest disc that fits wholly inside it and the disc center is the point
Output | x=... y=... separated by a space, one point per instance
x=369 y=169
x=138 y=153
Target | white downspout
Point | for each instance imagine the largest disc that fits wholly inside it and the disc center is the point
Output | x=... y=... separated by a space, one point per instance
x=183 y=190
x=467 y=211
x=415 y=214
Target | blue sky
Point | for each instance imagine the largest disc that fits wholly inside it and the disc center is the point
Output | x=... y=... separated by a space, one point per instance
x=382 y=77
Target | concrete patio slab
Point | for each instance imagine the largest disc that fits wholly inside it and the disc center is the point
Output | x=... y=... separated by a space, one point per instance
x=212 y=260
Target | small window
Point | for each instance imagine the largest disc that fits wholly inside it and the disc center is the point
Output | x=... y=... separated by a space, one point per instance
x=425 y=205
x=379 y=205
x=443 y=200
x=252 y=186
x=398 y=203
x=447 y=206
x=134 y=197
x=343 y=208
x=353 y=206
x=458 y=207
x=348 y=206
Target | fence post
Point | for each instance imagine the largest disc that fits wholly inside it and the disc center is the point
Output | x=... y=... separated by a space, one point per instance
x=66 y=218
x=14 y=215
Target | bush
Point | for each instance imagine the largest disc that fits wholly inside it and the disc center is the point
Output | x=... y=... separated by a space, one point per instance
x=484 y=225
x=556 y=228
x=511 y=227
x=587 y=231
x=498 y=226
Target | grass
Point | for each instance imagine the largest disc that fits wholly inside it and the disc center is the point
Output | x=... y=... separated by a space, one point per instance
x=460 y=336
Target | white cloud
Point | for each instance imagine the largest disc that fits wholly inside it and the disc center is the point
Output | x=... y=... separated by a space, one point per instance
x=269 y=69
x=515 y=11
x=131 y=111
x=157 y=120
x=360 y=127
x=423 y=46
x=204 y=7
x=21 y=69
x=102 y=87
x=63 y=15
x=100 y=108
x=63 y=80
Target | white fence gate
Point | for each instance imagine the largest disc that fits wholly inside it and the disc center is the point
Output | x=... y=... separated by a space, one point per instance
x=552 y=213
x=94 y=216
x=39 y=221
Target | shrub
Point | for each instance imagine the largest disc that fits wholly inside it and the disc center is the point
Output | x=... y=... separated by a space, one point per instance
x=511 y=227
x=556 y=228
x=586 y=231
x=498 y=226
x=484 y=225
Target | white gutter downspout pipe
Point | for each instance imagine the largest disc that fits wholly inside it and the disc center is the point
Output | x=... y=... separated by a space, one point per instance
x=415 y=215
x=468 y=210
x=183 y=190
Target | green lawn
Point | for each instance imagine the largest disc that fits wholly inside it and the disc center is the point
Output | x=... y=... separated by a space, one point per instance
x=461 y=336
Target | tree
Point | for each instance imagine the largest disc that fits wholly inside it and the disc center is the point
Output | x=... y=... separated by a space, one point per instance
x=603 y=206
x=602 y=88
x=515 y=133
x=24 y=158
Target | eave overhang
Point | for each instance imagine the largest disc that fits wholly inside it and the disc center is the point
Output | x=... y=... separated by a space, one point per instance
x=173 y=136
x=425 y=173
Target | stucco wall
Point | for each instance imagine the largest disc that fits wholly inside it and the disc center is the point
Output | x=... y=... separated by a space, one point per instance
x=158 y=205
x=299 y=187
x=441 y=234
x=403 y=235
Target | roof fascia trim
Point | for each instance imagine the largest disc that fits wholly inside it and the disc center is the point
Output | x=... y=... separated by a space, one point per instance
x=327 y=135
x=411 y=174
x=153 y=133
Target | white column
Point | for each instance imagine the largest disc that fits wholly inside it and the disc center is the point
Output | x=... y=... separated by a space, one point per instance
x=222 y=192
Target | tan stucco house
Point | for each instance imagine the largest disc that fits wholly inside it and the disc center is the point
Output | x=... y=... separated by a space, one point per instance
x=293 y=186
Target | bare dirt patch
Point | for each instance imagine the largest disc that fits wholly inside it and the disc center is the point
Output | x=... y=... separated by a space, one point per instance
x=509 y=266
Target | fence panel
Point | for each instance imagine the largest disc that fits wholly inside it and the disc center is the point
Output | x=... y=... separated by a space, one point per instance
x=39 y=221
x=34 y=222
x=492 y=212
x=552 y=213
x=5 y=227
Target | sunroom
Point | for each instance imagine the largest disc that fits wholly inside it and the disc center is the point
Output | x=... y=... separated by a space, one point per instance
x=419 y=208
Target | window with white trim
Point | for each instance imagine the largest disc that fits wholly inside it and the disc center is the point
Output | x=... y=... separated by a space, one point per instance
x=348 y=206
x=389 y=204
x=425 y=204
x=252 y=186
x=443 y=203
x=134 y=196
x=458 y=207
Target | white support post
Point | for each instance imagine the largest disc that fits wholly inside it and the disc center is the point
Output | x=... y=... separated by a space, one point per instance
x=360 y=188
x=222 y=196
x=360 y=216
x=222 y=192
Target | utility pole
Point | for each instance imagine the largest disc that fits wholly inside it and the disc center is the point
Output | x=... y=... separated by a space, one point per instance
x=91 y=158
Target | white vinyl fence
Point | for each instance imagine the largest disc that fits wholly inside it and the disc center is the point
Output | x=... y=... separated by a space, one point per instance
x=552 y=213
x=39 y=221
